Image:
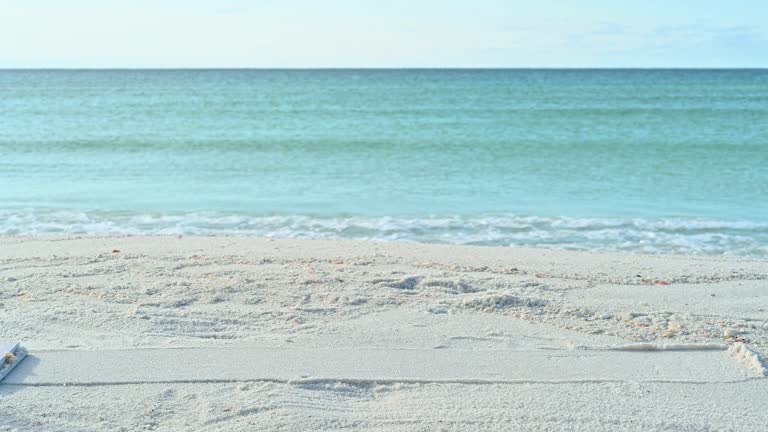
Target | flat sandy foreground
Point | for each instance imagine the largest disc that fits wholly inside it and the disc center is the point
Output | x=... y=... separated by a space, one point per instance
x=224 y=333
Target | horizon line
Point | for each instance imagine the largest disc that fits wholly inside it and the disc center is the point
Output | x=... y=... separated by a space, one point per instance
x=302 y=68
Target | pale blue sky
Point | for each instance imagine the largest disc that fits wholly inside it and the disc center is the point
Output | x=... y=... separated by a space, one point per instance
x=383 y=33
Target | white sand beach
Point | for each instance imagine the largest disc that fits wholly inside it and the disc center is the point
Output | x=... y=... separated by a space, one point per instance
x=228 y=333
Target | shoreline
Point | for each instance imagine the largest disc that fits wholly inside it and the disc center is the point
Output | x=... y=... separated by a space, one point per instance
x=21 y=238
x=664 y=236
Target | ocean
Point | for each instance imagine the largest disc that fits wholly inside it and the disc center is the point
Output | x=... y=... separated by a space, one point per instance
x=650 y=161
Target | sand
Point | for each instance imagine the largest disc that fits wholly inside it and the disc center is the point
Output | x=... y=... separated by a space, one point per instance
x=226 y=333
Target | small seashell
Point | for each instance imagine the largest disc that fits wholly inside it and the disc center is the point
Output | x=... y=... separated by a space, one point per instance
x=641 y=322
x=672 y=329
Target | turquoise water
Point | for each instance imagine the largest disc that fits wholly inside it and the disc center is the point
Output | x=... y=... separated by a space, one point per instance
x=628 y=160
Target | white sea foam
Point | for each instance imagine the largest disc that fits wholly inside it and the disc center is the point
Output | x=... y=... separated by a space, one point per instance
x=683 y=236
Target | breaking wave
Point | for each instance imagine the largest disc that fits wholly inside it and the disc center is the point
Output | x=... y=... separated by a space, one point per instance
x=673 y=235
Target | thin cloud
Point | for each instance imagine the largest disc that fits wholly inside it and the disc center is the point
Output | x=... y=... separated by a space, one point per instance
x=750 y=32
x=609 y=29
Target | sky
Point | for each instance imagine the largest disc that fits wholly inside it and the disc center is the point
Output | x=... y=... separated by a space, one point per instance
x=382 y=33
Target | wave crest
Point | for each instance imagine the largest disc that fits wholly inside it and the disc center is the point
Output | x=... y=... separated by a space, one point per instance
x=672 y=235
